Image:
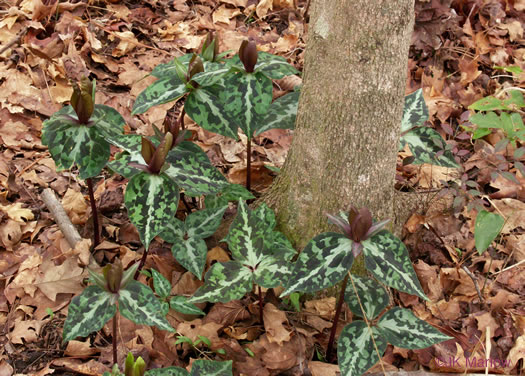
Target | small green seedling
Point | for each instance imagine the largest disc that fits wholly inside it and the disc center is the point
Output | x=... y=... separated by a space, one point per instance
x=487 y=228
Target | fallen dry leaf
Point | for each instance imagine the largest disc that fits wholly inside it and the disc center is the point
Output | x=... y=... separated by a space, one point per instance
x=274 y=321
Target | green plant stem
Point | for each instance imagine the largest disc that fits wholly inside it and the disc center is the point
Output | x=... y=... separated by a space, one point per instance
x=260 y=305
x=249 y=165
x=94 y=212
x=141 y=265
x=114 y=340
x=331 y=340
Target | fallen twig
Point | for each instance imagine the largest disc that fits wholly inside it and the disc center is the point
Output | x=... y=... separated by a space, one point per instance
x=61 y=218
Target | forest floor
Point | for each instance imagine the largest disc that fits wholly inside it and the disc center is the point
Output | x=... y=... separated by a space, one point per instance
x=457 y=47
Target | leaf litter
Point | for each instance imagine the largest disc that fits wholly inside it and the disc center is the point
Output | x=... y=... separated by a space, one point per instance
x=455 y=48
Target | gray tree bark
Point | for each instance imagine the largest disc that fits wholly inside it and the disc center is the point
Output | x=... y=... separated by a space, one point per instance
x=348 y=124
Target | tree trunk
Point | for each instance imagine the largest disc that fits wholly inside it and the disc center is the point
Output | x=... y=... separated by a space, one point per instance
x=348 y=124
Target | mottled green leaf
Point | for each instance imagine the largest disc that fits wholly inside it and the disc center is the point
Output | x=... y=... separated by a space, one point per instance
x=425 y=143
x=169 y=69
x=202 y=367
x=401 y=328
x=356 y=352
x=83 y=145
x=225 y=281
x=191 y=254
x=213 y=73
x=271 y=272
x=173 y=231
x=487 y=228
x=246 y=236
x=231 y=192
x=168 y=371
x=246 y=97
x=180 y=304
x=386 y=257
x=162 y=91
x=281 y=247
x=161 y=285
x=281 y=114
x=88 y=312
x=203 y=223
x=374 y=297
x=273 y=66
x=323 y=262
x=138 y=304
x=152 y=202
x=415 y=111
x=205 y=109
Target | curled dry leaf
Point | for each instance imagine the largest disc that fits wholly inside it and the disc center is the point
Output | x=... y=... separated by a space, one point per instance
x=274 y=321
x=75 y=206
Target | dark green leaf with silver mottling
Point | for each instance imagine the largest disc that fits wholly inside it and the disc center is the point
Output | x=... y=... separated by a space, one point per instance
x=246 y=236
x=225 y=281
x=131 y=144
x=246 y=97
x=386 y=257
x=203 y=367
x=324 y=261
x=356 y=352
x=271 y=272
x=281 y=247
x=194 y=172
x=274 y=67
x=108 y=121
x=161 y=285
x=168 y=371
x=401 y=328
x=152 y=202
x=168 y=70
x=203 y=223
x=138 y=304
x=231 y=192
x=72 y=143
x=88 y=312
x=213 y=73
x=205 y=109
x=425 y=143
x=415 y=111
x=180 y=304
x=374 y=297
x=174 y=231
x=281 y=114
x=162 y=91
x=191 y=253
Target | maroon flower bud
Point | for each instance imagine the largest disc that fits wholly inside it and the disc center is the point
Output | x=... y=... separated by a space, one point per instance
x=248 y=55
x=82 y=100
x=113 y=276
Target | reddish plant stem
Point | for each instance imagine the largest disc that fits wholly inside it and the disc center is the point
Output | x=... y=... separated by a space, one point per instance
x=141 y=265
x=181 y=119
x=94 y=212
x=249 y=165
x=114 y=341
x=331 y=340
x=260 y=305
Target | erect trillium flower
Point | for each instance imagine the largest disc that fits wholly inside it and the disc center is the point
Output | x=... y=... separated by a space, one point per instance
x=210 y=48
x=248 y=55
x=357 y=227
x=113 y=277
x=154 y=156
x=82 y=100
x=195 y=66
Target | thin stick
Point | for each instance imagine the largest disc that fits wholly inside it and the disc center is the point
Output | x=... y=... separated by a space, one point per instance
x=14 y=41
x=473 y=278
x=249 y=165
x=94 y=212
x=260 y=305
x=336 y=318
x=114 y=340
x=61 y=218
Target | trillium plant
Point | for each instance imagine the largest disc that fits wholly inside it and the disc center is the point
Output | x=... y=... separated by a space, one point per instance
x=113 y=291
x=222 y=96
x=327 y=259
x=78 y=135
